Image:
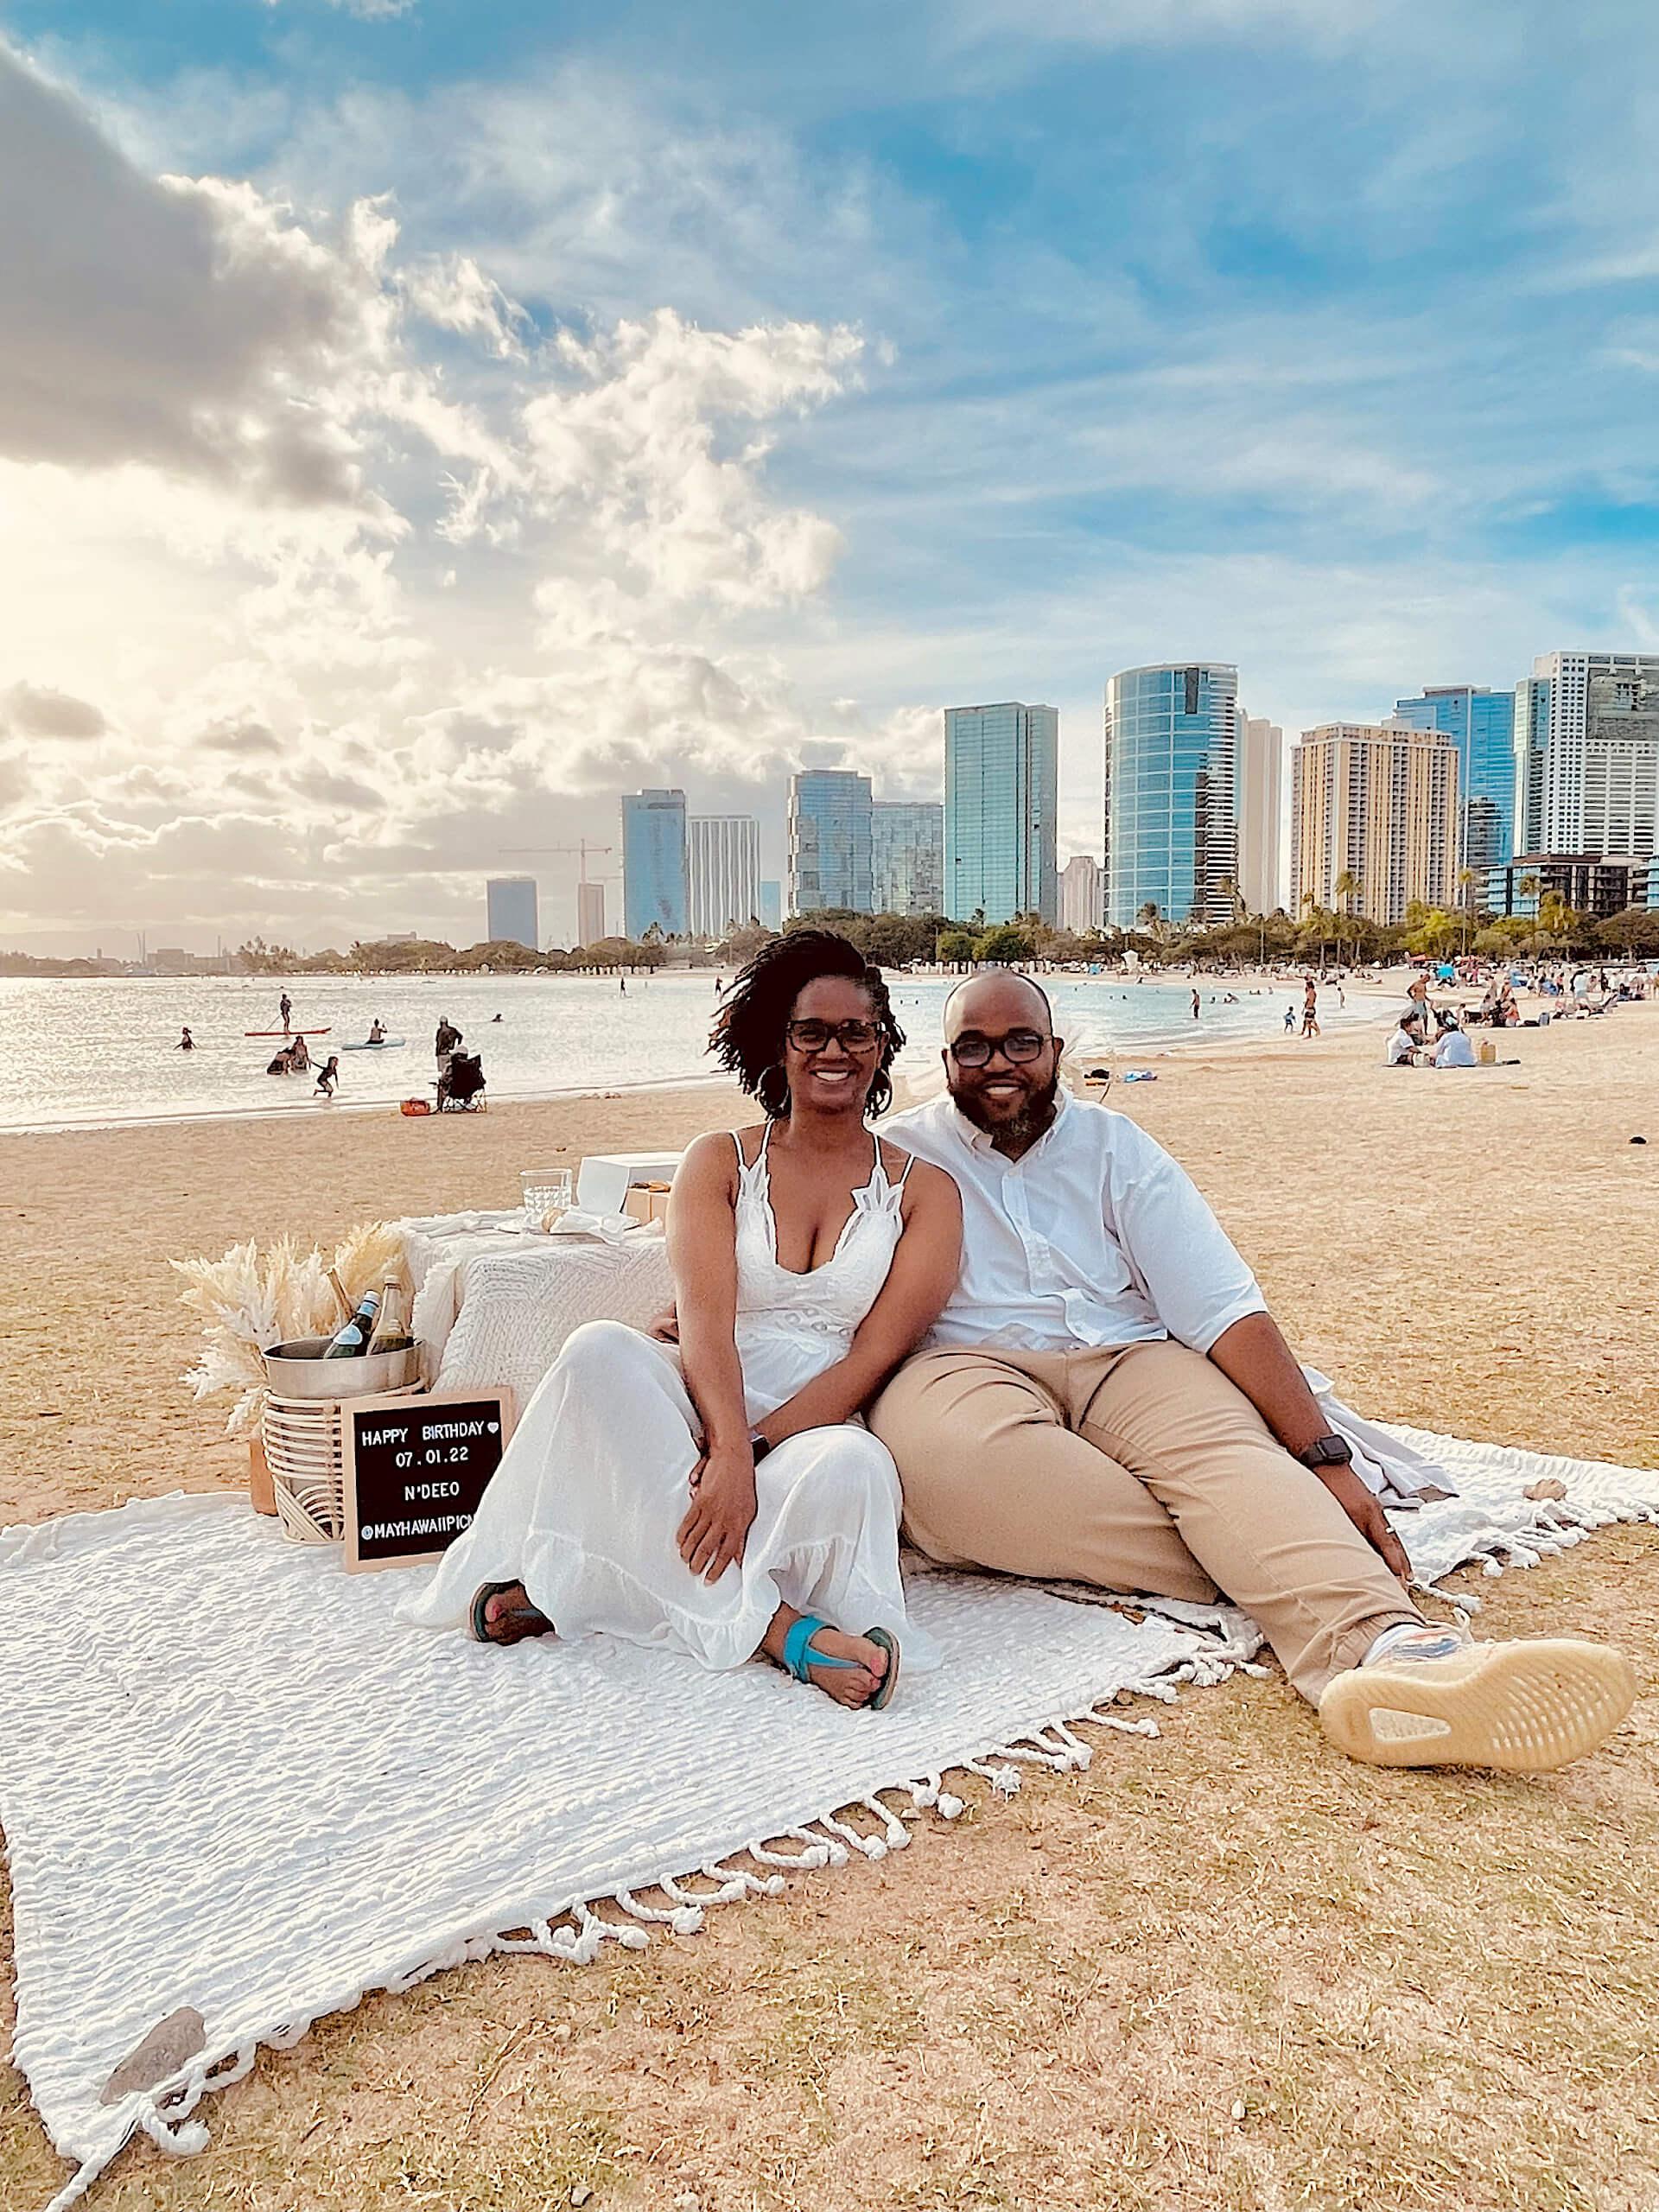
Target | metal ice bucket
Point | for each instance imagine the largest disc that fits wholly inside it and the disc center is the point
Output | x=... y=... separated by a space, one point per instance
x=298 y=1369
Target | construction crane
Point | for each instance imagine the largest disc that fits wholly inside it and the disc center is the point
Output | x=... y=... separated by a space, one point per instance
x=582 y=847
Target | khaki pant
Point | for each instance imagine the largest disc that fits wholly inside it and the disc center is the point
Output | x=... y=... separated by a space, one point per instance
x=1137 y=1468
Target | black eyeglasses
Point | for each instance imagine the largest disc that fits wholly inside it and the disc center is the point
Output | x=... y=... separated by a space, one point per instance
x=814 y=1036
x=1018 y=1047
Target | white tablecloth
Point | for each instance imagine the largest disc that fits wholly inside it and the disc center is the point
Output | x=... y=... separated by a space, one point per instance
x=494 y=1301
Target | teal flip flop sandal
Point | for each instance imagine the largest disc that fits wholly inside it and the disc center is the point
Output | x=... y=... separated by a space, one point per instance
x=800 y=1658
x=478 y=1627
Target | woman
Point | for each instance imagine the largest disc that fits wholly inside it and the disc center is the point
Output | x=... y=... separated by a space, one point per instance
x=715 y=1500
x=328 y=1077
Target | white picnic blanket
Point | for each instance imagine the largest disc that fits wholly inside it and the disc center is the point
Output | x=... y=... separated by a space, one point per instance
x=231 y=1781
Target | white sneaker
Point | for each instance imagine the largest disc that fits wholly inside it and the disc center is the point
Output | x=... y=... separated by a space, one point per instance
x=1431 y=1698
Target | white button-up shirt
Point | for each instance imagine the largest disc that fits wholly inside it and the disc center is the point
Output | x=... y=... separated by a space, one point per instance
x=1095 y=1236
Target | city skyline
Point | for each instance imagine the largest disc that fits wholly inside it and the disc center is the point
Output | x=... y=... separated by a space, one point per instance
x=430 y=491
x=1477 y=717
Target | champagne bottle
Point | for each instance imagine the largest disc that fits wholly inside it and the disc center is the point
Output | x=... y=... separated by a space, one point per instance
x=352 y=1341
x=391 y=1329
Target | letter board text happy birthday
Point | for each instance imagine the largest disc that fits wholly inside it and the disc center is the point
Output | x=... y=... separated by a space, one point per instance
x=415 y=1469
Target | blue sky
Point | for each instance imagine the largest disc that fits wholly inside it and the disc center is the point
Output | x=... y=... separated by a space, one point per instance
x=1320 y=335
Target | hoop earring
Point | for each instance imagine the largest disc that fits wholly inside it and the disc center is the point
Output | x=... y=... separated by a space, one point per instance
x=772 y=1091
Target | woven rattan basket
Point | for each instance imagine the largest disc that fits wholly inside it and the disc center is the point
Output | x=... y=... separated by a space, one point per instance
x=305 y=1450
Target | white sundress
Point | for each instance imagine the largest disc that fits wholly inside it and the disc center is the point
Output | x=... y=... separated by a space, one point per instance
x=585 y=1508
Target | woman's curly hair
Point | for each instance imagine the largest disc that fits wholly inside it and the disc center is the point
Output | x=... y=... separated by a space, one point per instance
x=747 y=1038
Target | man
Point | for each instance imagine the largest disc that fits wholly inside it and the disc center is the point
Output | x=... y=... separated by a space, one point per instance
x=444 y=1043
x=1106 y=1399
x=1419 y=1015
x=1402 y=1048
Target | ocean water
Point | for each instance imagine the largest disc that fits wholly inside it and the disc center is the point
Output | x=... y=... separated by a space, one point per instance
x=98 y=1053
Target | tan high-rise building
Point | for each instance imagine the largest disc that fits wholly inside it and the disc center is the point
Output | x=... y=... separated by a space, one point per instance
x=590 y=912
x=1260 y=802
x=1378 y=802
x=1080 y=895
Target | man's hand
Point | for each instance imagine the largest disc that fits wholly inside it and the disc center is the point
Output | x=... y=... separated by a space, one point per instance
x=1362 y=1510
x=665 y=1326
x=721 y=1512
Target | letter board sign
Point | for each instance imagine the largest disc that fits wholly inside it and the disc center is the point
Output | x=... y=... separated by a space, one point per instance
x=415 y=1469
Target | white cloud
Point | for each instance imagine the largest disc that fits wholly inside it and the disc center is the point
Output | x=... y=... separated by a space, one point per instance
x=655 y=447
x=453 y=291
x=30 y=710
x=187 y=323
x=368 y=11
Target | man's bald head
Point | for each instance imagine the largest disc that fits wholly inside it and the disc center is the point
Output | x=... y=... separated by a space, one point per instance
x=996 y=1003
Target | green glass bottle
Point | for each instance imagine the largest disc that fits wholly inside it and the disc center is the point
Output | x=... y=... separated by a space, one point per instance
x=352 y=1341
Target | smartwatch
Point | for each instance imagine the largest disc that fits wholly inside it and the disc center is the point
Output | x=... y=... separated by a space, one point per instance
x=1327 y=1452
x=759 y=1445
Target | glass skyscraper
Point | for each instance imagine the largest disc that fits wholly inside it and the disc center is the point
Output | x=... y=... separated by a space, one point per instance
x=907 y=857
x=1482 y=722
x=509 y=904
x=1172 y=793
x=653 y=864
x=1001 y=803
x=829 y=855
x=1587 y=754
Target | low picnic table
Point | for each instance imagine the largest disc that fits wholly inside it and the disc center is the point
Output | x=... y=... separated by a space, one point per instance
x=494 y=1301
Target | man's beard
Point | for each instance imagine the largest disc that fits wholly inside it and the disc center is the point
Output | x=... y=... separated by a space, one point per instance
x=1023 y=1128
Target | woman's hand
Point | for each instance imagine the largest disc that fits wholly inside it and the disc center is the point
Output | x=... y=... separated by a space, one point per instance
x=721 y=1512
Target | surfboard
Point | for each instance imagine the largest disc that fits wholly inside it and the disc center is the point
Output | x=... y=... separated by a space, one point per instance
x=284 y=1033
x=380 y=1044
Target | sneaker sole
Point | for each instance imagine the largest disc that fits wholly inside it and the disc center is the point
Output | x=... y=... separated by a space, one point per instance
x=1524 y=1709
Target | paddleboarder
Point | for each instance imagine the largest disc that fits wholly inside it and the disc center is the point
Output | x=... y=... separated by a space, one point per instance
x=286 y=1008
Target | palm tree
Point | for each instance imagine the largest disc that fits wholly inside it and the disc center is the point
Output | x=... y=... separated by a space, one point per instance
x=1530 y=887
x=1466 y=881
x=1236 y=909
x=1555 y=916
x=1347 y=885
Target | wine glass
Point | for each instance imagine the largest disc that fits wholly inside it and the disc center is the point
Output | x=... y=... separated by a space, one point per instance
x=546 y=1189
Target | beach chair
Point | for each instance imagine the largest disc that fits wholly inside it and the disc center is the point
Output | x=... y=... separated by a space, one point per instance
x=460 y=1087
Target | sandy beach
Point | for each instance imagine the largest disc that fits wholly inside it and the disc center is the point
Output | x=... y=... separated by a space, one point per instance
x=1228 y=1970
